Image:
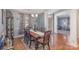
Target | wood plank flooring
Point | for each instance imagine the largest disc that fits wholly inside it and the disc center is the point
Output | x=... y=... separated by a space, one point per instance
x=61 y=44
x=19 y=44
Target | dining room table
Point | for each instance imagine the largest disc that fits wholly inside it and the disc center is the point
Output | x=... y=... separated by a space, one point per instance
x=35 y=35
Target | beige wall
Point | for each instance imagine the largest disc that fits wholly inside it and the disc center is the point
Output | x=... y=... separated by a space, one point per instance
x=50 y=21
x=46 y=21
x=78 y=24
x=1 y=27
x=73 y=28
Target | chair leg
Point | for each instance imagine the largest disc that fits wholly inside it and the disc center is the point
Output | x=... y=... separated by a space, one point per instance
x=43 y=47
x=48 y=46
x=36 y=45
x=30 y=44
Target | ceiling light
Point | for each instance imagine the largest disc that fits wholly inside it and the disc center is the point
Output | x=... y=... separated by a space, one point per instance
x=32 y=15
x=36 y=15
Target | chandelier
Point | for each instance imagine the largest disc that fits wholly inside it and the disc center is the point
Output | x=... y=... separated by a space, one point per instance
x=34 y=15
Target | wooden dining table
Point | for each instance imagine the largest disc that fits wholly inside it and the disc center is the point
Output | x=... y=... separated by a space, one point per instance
x=35 y=35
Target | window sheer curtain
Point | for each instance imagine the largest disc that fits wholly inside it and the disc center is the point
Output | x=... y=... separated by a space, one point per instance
x=18 y=24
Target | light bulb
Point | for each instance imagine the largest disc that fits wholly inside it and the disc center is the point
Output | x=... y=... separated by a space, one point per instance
x=36 y=15
x=32 y=15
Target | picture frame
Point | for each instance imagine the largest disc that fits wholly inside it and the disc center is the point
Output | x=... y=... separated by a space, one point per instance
x=63 y=23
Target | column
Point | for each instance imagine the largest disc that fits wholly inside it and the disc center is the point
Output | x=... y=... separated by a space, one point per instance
x=46 y=20
x=73 y=28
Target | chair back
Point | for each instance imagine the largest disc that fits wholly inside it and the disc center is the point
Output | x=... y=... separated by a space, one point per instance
x=42 y=29
x=27 y=33
x=46 y=36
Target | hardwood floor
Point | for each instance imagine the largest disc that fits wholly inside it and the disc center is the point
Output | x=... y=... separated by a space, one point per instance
x=60 y=44
x=19 y=44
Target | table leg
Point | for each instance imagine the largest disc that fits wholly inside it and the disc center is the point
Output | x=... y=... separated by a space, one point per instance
x=36 y=45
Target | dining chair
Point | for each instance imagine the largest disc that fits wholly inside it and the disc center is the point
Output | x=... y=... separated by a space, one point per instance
x=42 y=29
x=27 y=35
x=32 y=39
x=37 y=28
x=43 y=40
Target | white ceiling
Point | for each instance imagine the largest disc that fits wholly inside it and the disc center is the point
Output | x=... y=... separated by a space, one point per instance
x=30 y=11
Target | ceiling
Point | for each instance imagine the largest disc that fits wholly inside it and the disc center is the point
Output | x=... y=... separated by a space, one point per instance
x=30 y=11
